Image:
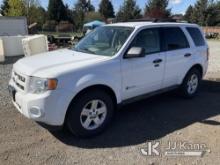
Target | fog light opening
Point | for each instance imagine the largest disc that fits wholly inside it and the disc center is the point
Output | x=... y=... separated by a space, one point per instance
x=35 y=112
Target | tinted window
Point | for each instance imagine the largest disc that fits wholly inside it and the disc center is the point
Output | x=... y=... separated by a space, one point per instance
x=174 y=39
x=149 y=39
x=196 y=36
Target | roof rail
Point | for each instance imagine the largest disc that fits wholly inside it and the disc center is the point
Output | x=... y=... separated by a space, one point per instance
x=142 y=20
x=165 y=20
x=155 y=20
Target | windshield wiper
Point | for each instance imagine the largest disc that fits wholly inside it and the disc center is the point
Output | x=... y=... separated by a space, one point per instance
x=84 y=50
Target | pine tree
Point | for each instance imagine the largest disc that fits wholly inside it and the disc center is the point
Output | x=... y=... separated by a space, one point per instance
x=213 y=14
x=69 y=14
x=89 y=6
x=106 y=9
x=4 y=7
x=188 y=14
x=52 y=9
x=57 y=10
x=157 y=9
x=82 y=7
x=199 y=15
x=218 y=14
x=129 y=10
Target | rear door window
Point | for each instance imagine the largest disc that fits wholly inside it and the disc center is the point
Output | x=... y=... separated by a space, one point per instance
x=196 y=35
x=174 y=39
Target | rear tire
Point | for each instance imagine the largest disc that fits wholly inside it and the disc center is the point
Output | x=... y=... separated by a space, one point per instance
x=191 y=83
x=90 y=113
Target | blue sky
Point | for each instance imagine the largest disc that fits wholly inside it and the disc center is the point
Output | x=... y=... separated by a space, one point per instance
x=177 y=6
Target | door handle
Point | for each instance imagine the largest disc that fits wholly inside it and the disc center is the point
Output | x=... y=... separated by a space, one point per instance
x=187 y=55
x=157 y=61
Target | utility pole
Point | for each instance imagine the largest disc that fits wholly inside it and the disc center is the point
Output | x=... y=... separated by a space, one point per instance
x=28 y=4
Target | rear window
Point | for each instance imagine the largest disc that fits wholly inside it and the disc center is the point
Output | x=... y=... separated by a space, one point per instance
x=196 y=35
x=174 y=39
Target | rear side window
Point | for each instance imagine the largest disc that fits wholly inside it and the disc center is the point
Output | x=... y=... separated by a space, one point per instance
x=196 y=35
x=174 y=39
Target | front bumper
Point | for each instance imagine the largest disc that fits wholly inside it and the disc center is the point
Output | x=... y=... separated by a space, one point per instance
x=48 y=108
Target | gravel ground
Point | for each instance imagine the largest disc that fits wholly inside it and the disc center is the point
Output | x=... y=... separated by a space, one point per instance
x=162 y=118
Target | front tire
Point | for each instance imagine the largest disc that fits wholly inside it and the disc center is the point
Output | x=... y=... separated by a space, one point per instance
x=191 y=83
x=90 y=113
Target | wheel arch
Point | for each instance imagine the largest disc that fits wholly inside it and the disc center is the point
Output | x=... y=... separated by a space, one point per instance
x=198 y=67
x=195 y=66
x=103 y=87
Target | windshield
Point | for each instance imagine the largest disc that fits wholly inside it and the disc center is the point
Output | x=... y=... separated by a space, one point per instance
x=106 y=40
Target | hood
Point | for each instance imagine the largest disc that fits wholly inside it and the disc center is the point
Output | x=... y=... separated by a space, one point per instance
x=54 y=62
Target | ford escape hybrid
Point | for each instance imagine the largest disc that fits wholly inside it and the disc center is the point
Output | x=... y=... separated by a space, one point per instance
x=115 y=64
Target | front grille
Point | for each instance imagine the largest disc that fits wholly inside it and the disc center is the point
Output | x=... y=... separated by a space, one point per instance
x=19 y=80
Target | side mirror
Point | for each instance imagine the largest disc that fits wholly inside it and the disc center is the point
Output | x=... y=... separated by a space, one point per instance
x=135 y=52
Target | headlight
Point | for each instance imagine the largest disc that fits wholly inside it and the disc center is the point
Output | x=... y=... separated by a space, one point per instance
x=40 y=85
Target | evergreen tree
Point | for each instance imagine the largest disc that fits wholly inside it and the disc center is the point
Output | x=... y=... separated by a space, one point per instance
x=199 y=15
x=82 y=7
x=69 y=14
x=90 y=7
x=52 y=9
x=4 y=7
x=79 y=13
x=188 y=14
x=57 y=10
x=213 y=14
x=129 y=10
x=106 y=9
x=218 y=14
x=157 y=9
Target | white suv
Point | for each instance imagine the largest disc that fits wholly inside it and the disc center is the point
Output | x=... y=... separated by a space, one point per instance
x=115 y=64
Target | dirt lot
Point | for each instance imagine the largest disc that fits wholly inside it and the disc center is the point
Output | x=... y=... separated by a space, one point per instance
x=162 y=118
